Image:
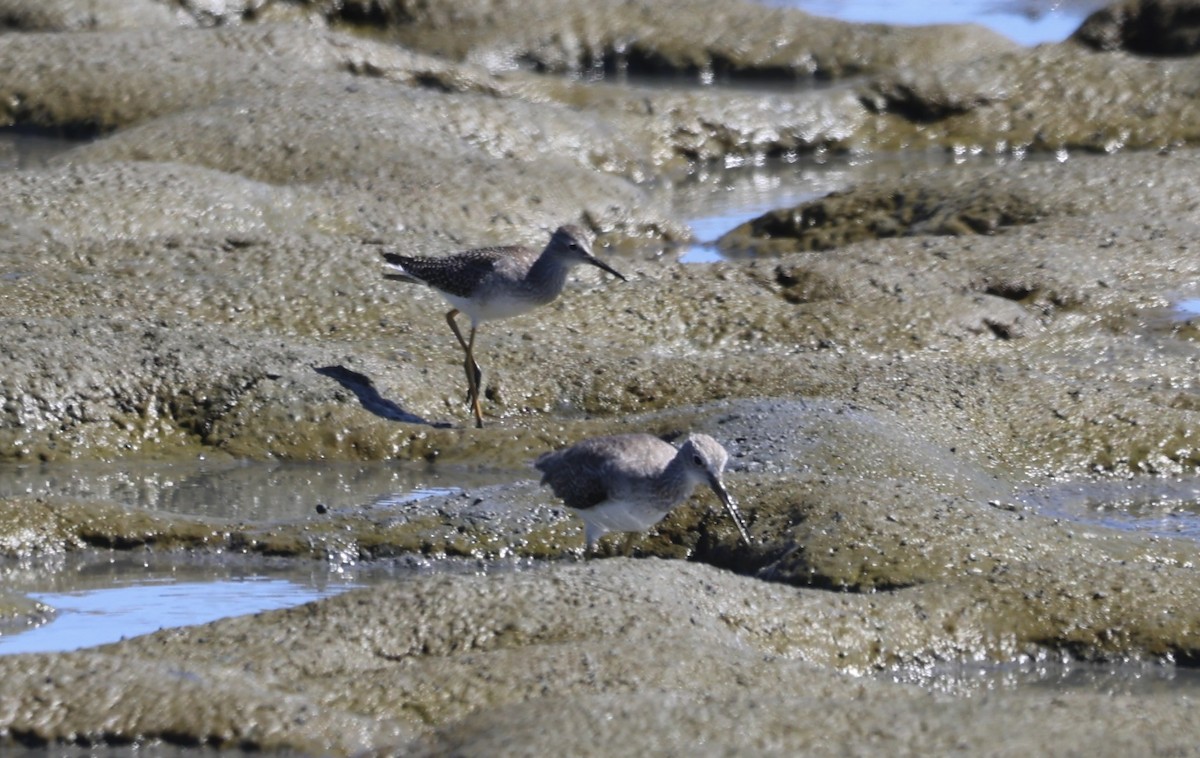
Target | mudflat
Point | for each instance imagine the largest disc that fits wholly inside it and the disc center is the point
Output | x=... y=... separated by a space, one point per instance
x=894 y=368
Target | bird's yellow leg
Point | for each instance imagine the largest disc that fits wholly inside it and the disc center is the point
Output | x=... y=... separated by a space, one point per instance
x=474 y=375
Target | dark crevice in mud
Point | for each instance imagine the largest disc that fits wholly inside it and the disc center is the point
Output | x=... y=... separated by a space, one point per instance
x=638 y=61
x=1011 y=291
x=1189 y=659
x=1097 y=653
x=438 y=83
x=1047 y=297
x=784 y=565
x=82 y=131
x=735 y=144
x=821 y=582
x=371 y=14
x=26 y=738
x=116 y=541
x=1153 y=28
x=30 y=739
x=908 y=103
x=1001 y=330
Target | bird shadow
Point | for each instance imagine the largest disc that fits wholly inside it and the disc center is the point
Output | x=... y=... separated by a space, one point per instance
x=369 y=397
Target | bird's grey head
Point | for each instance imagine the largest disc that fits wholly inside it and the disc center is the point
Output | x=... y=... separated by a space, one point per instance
x=572 y=245
x=706 y=459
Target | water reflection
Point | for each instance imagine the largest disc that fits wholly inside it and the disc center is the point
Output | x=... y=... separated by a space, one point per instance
x=714 y=200
x=267 y=490
x=86 y=618
x=101 y=596
x=1188 y=308
x=1028 y=22
x=1162 y=506
x=1055 y=673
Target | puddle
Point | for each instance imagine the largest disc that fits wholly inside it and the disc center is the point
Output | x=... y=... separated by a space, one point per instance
x=1057 y=675
x=94 y=617
x=101 y=597
x=714 y=200
x=259 y=491
x=1163 y=507
x=1027 y=22
x=1188 y=308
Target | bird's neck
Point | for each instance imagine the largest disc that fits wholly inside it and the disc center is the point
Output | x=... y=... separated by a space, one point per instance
x=675 y=485
x=547 y=277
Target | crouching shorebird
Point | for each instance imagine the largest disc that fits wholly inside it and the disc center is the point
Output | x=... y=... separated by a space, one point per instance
x=497 y=282
x=629 y=482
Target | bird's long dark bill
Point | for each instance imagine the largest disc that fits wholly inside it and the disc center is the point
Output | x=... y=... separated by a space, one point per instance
x=601 y=264
x=732 y=508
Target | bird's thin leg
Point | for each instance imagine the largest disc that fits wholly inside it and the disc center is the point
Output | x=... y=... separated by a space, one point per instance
x=454 y=327
x=474 y=375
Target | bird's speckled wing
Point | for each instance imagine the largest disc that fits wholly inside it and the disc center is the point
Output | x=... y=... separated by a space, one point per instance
x=459 y=274
x=575 y=478
x=583 y=474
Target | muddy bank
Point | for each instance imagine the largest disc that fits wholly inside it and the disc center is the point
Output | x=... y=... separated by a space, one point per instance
x=912 y=88
x=691 y=38
x=837 y=498
x=1045 y=347
x=644 y=655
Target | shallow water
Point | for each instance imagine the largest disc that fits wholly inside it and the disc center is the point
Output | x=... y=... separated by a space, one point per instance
x=1162 y=506
x=85 y=618
x=1028 y=22
x=715 y=200
x=104 y=596
x=1058 y=675
x=257 y=491
x=1187 y=308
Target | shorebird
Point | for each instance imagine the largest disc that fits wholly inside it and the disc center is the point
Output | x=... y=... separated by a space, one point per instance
x=497 y=282
x=629 y=482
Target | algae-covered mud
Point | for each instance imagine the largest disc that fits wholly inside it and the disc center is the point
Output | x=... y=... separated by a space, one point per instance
x=938 y=380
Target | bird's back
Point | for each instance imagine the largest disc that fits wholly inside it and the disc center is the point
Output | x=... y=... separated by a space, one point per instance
x=594 y=470
x=461 y=274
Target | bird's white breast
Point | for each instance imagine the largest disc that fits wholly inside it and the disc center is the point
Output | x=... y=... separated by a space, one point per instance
x=497 y=306
x=623 y=515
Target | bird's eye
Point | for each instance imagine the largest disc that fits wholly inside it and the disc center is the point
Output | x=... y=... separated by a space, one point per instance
x=696 y=459
x=573 y=245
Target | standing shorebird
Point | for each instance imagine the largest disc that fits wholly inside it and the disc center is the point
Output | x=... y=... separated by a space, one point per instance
x=629 y=482
x=497 y=282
